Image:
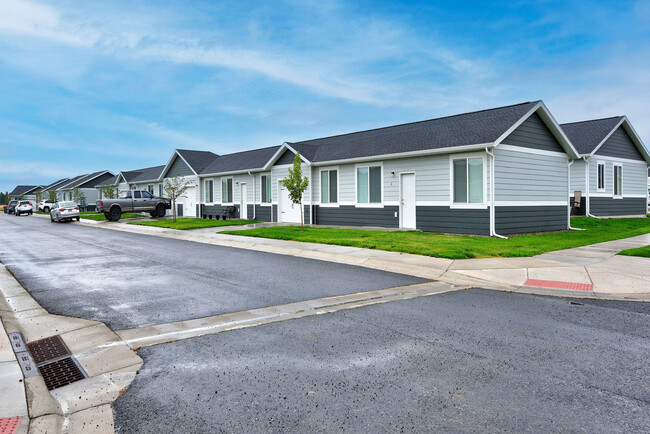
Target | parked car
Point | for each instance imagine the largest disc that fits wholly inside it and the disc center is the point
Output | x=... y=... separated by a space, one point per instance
x=67 y=210
x=133 y=201
x=9 y=209
x=23 y=207
x=45 y=205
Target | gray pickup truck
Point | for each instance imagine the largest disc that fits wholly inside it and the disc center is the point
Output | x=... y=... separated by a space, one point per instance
x=133 y=201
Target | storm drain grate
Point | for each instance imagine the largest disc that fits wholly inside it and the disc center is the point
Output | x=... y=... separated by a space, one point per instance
x=60 y=373
x=47 y=349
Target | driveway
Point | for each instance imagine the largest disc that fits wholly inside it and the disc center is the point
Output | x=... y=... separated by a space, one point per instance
x=129 y=280
x=467 y=361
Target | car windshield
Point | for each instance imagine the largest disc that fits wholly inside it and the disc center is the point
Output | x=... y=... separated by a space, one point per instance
x=13 y=202
x=67 y=204
x=25 y=202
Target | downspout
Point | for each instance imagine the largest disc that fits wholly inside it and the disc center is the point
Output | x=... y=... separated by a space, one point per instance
x=587 y=187
x=568 y=196
x=493 y=230
x=254 y=194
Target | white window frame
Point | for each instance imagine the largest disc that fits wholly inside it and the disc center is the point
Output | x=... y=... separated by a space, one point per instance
x=161 y=190
x=356 y=186
x=205 y=186
x=614 y=195
x=338 y=184
x=465 y=156
x=268 y=182
x=598 y=164
x=233 y=191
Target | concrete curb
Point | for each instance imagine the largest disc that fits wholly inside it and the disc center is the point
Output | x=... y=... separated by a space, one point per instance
x=111 y=365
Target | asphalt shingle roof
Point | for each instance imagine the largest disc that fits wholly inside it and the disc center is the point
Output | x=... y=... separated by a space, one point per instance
x=145 y=174
x=55 y=184
x=238 y=161
x=109 y=181
x=22 y=189
x=479 y=127
x=198 y=160
x=586 y=135
x=83 y=179
x=70 y=182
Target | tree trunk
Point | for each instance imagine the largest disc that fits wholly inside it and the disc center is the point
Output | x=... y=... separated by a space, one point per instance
x=174 y=207
x=301 y=218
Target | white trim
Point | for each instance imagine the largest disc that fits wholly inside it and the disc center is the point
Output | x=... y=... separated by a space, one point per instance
x=604 y=164
x=444 y=203
x=465 y=156
x=168 y=165
x=530 y=203
x=269 y=181
x=380 y=204
x=371 y=158
x=634 y=136
x=621 y=160
x=514 y=148
x=614 y=195
x=232 y=202
x=602 y=142
x=400 y=204
x=320 y=185
x=611 y=195
x=279 y=153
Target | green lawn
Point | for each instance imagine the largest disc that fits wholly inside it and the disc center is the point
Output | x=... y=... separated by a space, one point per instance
x=640 y=251
x=92 y=215
x=461 y=246
x=192 y=223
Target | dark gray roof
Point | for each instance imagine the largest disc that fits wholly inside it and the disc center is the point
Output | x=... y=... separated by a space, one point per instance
x=145 y=174
x=23 y=189
x=586 y=135
x=109 y=181
x=484 y=126
x=56 y=184
x=198 y=160
x=70 y=182
x=246 y=160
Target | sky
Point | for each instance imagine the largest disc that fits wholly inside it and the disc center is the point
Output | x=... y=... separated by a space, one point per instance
x=95 y=85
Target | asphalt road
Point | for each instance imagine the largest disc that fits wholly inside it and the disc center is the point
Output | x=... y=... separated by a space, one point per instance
x=128 y=280
x=467 y=361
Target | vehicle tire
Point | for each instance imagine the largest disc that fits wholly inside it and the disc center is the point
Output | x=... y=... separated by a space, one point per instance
x=51 y=218
x=107 y=216
x=116 y=213
x=160 y=210
x=78 y=218
x=46 y=209
x=17 y=214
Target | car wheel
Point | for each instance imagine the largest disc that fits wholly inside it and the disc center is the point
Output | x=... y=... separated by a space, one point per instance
x=17 y=214
x=51 y=218
x=116 y=213
x=46 y=209
x=161 y=211
x=107 y=216
x=78 y=218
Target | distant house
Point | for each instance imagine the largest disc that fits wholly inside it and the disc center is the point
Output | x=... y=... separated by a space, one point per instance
x=26 y=191
x=86 y=184
x=53 y=186
x=188 y=164
x=612 y=172
x=497 y=171
x=147 y=178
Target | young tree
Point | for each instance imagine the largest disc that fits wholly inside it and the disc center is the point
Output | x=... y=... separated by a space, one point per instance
x=21 y=197
x=108 y=191
x=51 y=196
x=77 y=195
x=3 y=198
x=39 y=196
x=296 y=184
x=174 y=188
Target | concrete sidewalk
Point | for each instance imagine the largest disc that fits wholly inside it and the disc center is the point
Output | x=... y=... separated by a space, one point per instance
x=593 y=271
x=13 y=405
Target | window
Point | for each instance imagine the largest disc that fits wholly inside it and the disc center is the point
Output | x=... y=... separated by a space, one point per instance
x=146 y=195
x=160 y=190
x=468 y=180
x=601 y=176
x=150 y=188
x=266 y=189
x=226 y=190
x=136 y=195
x=209 y=191
x=329 y=186
x=369 y=184
x=618 y=180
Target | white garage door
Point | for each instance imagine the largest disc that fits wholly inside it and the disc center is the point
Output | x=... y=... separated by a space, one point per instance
x=288 y=212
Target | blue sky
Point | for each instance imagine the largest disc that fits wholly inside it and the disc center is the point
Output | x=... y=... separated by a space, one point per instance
x=117 y=85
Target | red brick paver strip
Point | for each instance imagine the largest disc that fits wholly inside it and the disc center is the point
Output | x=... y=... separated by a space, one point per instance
x=8 y=425
x=559 y=284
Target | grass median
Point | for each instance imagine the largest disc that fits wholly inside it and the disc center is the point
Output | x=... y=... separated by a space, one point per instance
x=92 y=215
x=461 y=246
x=643 y=252
x=192 y=223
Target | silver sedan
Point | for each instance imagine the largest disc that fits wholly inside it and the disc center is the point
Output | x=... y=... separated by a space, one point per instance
x=64 y=211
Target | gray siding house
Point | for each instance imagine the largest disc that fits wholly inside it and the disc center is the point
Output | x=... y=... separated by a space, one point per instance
x=496 y=171
x=611 y=172
x=87 y=185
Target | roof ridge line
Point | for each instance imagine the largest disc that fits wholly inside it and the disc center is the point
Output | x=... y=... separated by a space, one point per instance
x=593 y=120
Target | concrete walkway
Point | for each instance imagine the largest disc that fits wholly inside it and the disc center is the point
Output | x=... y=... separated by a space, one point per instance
x=593 y=271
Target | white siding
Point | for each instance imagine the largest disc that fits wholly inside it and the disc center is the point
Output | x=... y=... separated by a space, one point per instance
x=578 y=175
x=634 y=177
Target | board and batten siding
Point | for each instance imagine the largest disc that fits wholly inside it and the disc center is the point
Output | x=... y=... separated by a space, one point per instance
x=522 y=176
x=620 y=145
x=533 y=133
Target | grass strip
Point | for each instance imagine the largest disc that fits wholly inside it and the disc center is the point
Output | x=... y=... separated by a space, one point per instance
x=189 y=223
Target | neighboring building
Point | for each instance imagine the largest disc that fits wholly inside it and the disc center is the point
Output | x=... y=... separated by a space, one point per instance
x=28 y=192
x=502 y=170
x=53 y=186
x=87 y=185
x=612 y=172
x=188 y=164
x=147 y=178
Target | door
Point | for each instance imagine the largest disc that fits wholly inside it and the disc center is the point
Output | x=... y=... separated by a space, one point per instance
x=288 y=211
x=243 y=202
x=407 y=202
x=189 y=202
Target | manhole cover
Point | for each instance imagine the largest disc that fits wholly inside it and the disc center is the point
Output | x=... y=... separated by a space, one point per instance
x=47 y=349
x=60 y=373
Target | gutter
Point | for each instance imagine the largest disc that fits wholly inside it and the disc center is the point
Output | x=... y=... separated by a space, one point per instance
x=254 y=194
x=568 y=196
x=493 y=231
x=587 y=183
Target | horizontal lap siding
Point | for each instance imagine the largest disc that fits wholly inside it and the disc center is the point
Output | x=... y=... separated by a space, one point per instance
x=518 y=220
x=533 y=133
x=634 y=177
x=353 y=216
x=578 y=174
x=521 y=176
x=458 y=221
x=431 y=175
x=607 y=206
x=620 y=145
x=179 y=168
x=218 y=211
x=263 y=213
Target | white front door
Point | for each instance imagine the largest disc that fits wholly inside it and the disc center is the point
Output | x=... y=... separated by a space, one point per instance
x=243 y=202
x=189 y=202
x=288 y=212
x=407 y=202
